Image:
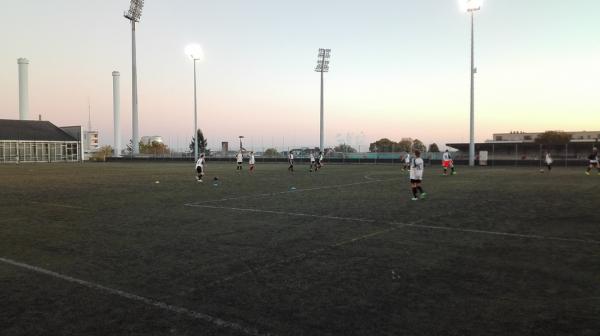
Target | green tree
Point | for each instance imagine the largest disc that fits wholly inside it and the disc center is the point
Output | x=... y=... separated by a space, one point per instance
x=344 y=148
x=271 y=152
x=383 y=145
x=102 y=153
x=433 y=148
x=419 y=145
x=202 y=143
x=154 y=148
x=555 y=138
x=404 y=146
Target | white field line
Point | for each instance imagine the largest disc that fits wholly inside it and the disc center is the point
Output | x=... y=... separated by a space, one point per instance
x=290 y=191
x=165 y=306
x=299 y=256
x=422 y=226
x=59 y=205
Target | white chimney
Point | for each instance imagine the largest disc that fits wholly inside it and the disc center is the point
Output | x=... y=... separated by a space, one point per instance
x=117 y=113
x=23 y=88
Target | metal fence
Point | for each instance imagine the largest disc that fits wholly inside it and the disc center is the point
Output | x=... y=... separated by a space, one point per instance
x=513 y=155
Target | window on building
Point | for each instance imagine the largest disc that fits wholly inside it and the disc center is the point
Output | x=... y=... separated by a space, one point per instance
x=499 y=138
x=527 y=137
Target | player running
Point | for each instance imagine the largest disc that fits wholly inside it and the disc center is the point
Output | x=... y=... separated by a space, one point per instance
x=593 y=161
x=448 y=162
x=548 y=161
x=200 y=168
x=319 y=161
x=240 y=159
x=291 y=161
x=416 y=175
x=312 y=161
x=251 y=162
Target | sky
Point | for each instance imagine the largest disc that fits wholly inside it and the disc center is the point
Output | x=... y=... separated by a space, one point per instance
x=399 y=68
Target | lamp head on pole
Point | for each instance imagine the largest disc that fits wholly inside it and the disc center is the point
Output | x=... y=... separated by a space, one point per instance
x=135 y=10
x=470 y=5
x=323 y=60
x=194 y=51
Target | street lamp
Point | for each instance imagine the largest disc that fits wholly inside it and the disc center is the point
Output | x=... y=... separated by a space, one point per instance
x=194 y=51
x=134 y=14
x=322 y=67
x=471 y=6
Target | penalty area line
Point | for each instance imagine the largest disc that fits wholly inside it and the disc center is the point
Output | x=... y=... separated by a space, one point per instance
x=150 y=302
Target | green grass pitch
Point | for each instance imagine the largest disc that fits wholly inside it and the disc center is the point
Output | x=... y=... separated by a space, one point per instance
x=102 y=249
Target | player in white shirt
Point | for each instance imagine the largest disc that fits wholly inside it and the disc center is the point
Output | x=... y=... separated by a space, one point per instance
x=200 y=168
x=291 y=161
x=251 y=162
x=548 y=161
x=319 y=161
x=448 y=162
x=416 y=175
x=593 y=161
x=406 y=162
x=240 y=159
x=312 y=161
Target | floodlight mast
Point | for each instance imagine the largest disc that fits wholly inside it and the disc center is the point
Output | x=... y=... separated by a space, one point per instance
x=134 y=14
x=322 y=67
x=472 y=6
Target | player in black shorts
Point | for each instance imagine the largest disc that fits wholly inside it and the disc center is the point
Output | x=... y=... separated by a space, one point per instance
x=593 y=161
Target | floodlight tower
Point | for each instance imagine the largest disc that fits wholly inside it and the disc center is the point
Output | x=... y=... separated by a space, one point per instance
x=471 y=6
x=134 y=14
x=194 y=51
x=322 y=67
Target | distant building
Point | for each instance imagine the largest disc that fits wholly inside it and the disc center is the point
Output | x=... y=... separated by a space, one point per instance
x=37 y=141
x=522 y=145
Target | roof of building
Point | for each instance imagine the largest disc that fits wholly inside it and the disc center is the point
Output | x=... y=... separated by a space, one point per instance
x=32 y=130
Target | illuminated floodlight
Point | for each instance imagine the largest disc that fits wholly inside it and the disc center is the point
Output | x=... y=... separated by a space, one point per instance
x=194 y=51
x=470 y=5
x=135 y=10
x=323 y=60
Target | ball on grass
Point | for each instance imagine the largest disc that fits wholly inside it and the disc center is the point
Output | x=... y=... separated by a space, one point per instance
x=157 y=182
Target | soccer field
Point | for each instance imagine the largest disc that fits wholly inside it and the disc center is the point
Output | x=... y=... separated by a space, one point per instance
x=102 y=249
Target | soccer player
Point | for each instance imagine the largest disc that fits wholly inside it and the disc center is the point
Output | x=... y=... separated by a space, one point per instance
x=406 y=162
x=200 y=168
x=593 y=161
x=312 y=161
x=319 y=161
x=549 y=161
x=252 y=162
x=447 y=162
x=240 y=159
x=416 y=175
x=291 y=161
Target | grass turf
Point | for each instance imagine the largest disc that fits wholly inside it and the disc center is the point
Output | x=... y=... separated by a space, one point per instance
x=329 y=258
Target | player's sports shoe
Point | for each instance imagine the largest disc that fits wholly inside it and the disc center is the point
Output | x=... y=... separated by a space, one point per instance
x=453 y=173
x=200 y=181
x=414 y=199
x=587 y=173
x=423 y=195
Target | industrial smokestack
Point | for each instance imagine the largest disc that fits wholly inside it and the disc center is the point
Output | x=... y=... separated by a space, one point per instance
x=117 y=113
x=23 y=88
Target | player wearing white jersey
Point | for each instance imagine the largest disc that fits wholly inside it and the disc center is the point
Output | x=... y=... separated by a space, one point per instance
x=417 y=165
x=312 y=161
x=319 y=161
x=200 y=168
x=240 y=159
x=251 y=162
x=548 y=161
x=291 y=161
x=594 y=162
x=406 y=162
x=448 y=162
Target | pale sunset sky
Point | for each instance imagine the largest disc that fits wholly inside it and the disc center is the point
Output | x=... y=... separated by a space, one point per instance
x=399 y=68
